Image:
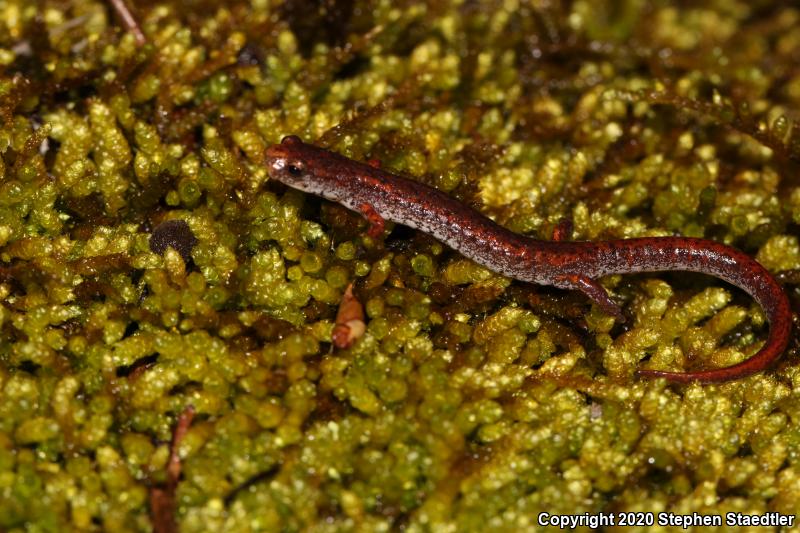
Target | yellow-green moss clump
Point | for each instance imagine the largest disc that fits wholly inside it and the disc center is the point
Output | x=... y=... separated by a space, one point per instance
x=472 y=402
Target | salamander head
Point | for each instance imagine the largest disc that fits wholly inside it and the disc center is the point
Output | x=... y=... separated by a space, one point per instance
x=288 y=163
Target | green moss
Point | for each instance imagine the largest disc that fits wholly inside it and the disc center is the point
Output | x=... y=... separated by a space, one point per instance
x=471 y=401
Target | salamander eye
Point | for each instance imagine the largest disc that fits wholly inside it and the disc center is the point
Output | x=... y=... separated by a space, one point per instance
x=295 y=170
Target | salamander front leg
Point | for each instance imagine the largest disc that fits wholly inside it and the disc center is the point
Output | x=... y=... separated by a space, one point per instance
x=594 y=291
x=376 y=222
x=563 y=230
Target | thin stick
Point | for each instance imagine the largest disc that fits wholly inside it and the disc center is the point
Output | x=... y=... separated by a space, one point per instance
x=162 y=498
x=128 y=20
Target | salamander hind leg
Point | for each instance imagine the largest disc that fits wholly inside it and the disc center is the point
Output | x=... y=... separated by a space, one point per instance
x=594 y=291
x=376 y=222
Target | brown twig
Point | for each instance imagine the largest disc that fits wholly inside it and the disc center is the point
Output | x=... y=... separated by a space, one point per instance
x=129 y=21
x=162 y=498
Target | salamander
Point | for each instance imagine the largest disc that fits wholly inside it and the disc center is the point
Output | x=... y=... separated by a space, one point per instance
x=380 y=195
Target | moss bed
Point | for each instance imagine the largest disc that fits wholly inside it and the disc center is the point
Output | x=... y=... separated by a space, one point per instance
x=147 y=263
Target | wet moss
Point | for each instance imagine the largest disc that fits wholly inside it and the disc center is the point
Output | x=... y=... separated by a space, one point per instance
x=148 y=263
